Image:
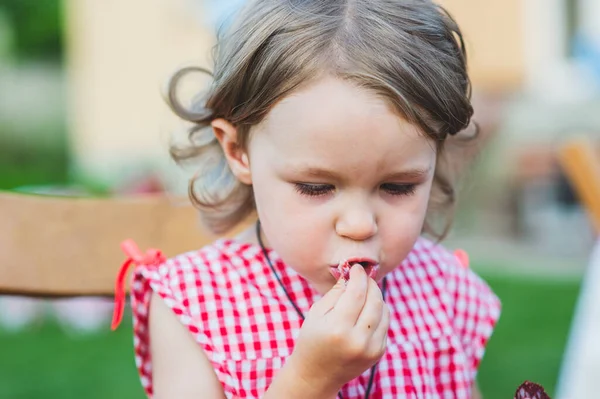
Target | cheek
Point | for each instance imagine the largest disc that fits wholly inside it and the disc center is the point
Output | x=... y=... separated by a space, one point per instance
x=401 y=226
x=410 y=209
x=281 y=211
x=421 y=205
x=398 y=237
x=290 y=226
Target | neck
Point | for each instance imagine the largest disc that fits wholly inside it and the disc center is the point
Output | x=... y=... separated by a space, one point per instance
x=248 y=236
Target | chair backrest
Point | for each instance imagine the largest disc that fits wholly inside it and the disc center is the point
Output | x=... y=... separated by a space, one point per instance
x=66 y=246
x=579 y=160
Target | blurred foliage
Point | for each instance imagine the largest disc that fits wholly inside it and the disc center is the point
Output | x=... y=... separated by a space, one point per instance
x=24 y=164
x=37 y=28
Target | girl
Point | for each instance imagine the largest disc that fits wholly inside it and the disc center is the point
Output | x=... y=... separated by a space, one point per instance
x=327 y=120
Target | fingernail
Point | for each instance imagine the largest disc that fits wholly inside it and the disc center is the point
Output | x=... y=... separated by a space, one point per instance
x=357 y=269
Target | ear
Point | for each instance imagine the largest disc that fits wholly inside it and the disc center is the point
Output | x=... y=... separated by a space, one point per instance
x=236 y=156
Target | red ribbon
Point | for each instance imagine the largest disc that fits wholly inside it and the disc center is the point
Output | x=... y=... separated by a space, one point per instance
x=134 y=257
x=463 y=257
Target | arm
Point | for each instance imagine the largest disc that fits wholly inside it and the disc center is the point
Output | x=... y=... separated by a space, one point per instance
x=475 y=392
x=287 y=384
x=180 y=368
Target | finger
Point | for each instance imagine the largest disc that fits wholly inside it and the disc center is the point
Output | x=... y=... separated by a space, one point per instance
x=379 y=337
x=352 y=300
x=370 y=316
x=328 y=301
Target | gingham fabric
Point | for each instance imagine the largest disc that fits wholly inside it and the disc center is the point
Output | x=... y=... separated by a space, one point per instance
x=442 y=316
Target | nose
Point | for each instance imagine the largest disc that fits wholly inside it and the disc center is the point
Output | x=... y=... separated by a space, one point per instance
x=357 y=223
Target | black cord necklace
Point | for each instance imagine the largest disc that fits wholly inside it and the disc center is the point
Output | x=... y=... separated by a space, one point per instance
x=266 y=255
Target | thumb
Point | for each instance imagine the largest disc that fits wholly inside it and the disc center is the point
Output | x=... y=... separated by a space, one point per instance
x=328 y=301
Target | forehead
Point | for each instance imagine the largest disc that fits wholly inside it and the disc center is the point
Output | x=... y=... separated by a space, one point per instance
x=332 y=119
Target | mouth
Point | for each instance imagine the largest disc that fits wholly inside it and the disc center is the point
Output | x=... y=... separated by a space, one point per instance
x=342 y=270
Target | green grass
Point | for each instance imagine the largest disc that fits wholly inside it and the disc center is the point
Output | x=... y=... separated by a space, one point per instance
x=45 y=362
x=527 y=344
x=530 y=337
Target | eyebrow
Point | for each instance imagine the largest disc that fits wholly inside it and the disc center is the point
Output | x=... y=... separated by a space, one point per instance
x=409 y=174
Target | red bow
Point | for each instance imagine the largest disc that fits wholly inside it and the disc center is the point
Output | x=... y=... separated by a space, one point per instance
x=134 y=257
x=463 y=257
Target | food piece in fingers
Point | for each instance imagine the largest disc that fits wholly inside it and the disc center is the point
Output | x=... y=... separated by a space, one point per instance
x=343 y=269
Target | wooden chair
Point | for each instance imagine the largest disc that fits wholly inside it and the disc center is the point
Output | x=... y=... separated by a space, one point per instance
x=580 y=161
x=64 y=246
x=581 y=365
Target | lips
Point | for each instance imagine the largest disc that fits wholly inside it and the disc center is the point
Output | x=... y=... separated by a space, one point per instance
x=342 y=270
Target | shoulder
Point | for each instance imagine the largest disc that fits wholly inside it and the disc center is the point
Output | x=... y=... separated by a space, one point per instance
x=201 y=287
x=195 y=274
x=437 y=264
x=469 y=294
x=470 y=305
x=458 y=284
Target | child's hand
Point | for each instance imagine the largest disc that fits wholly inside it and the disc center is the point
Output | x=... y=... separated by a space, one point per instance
x=344 y=333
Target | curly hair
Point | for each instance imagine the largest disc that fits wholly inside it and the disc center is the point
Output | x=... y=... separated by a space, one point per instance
x=409 y=52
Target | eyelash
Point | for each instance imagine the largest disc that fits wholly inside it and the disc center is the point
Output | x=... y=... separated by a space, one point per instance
x=317 y=190
x=399 y=189
x=314 y=190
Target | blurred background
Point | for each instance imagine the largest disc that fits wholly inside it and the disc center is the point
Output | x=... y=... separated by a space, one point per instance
x=81 y=112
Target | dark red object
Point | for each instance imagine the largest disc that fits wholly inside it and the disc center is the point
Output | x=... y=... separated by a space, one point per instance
x=531 y=390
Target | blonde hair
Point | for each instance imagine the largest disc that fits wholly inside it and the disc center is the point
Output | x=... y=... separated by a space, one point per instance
x=410 y=52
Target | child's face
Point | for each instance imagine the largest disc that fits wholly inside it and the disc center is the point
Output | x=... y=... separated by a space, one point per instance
x=337 y=174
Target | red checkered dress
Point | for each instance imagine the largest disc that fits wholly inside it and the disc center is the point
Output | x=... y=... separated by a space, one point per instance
x=442 y=315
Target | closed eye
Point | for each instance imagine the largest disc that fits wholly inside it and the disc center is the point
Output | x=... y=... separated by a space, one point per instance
x=314 y=190
x=399 y=189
